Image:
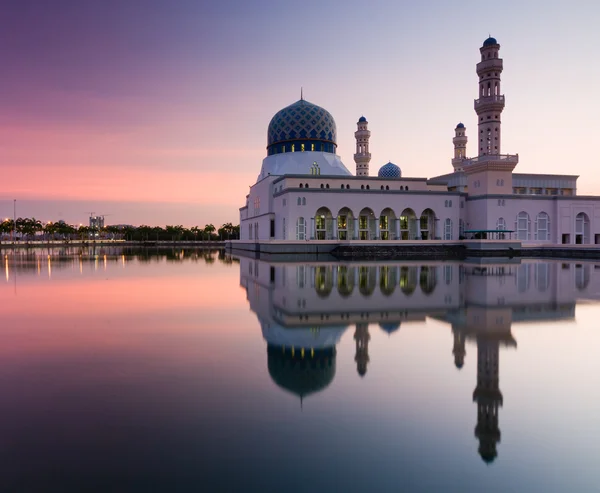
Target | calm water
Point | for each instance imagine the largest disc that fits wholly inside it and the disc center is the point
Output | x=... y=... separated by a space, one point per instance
x=196 y=371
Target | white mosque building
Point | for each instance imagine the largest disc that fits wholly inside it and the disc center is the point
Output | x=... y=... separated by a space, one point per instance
x=304 y=192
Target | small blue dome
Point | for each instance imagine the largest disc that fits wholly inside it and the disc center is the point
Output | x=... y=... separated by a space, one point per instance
x=389 y=170
x=460 y=125
x=389 y=327
x=362 y=119
x=490 y=41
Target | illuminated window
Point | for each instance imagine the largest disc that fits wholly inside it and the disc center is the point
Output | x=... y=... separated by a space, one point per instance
x=312 y=147
x=302 y=147
x=293 y=147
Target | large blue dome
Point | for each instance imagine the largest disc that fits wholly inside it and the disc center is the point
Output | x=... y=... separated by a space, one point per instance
x=389 y=170
x=490 y=41
x=304 y=125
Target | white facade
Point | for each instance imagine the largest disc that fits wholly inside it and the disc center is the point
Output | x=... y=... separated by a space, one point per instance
x=304 y=192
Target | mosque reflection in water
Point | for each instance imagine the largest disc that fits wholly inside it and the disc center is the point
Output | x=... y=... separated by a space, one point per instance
x=304 y=309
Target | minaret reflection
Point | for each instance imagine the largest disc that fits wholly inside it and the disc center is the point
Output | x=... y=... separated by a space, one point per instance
x=361 y=336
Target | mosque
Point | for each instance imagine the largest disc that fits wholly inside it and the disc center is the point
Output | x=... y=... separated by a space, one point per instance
x=304 y=192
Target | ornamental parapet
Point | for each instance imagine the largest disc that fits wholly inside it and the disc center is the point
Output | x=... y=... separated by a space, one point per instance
x=497 y=100
x=500 y=162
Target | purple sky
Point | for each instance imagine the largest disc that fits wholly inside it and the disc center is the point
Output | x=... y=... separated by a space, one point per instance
x=156 y=111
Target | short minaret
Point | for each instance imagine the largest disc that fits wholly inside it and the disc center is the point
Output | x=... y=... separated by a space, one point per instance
x=362 y=158
x=490 y=104
x=362 y=336
x=460 y=147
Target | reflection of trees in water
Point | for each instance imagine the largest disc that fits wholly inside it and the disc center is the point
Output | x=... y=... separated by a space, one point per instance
x=408 y=280
x=24 y=260
x=324 y=280
x=345 y=280
x=427 y=279
x=387 y=279
x=367 y=280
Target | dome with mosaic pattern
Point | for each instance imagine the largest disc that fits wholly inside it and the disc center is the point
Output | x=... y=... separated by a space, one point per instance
x=389 y=170
x=302 y=126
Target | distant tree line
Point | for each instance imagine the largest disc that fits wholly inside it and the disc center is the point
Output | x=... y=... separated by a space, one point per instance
x=33 y=229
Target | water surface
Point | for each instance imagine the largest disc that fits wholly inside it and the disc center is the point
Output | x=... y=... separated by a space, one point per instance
x=186 y=370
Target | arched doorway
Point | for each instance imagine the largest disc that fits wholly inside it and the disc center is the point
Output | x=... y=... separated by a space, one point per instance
x=366 y=224
x=323 y=224
x=582 y=229
x=345 y=280
x=387 y=224
x=428 y=279
x=408 y=280
x=408 y=225
x=323 y=280
x=387 y=279
x=367 y=280
x=345 y=224
x=427 y=225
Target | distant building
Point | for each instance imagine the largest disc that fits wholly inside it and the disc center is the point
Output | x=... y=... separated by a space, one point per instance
x=96 y=222
x=304 y=191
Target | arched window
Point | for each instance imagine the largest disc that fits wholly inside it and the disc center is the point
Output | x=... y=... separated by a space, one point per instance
x=542 y=227
x=303 y=200
x=300 y=229
x=306 y=185
x=342 y=187
x=299 y=201
x=523 y=226
x=284 y=232
x=448 y=229
x=461 y=228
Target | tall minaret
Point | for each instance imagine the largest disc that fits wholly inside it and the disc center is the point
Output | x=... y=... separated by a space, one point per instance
x=490 y=172
x=460 y=147
x=362 y=158
x=490 y=104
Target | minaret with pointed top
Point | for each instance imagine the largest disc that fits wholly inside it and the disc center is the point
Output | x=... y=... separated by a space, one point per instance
x=490 y=104
x=460 y=147
x=362 y=336
x=490 y=172
x=362 y=158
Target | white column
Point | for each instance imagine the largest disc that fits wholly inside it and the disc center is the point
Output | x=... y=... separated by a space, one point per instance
x=377 y=228
x=355 y=229
x=335 y=228
x=418 y=228
x=397 y=228
x=312 y=228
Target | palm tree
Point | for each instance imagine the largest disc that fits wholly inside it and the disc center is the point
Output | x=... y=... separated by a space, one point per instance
x=195 y=230
x=209 y=229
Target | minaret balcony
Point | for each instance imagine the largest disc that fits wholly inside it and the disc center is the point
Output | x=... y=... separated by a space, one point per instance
x=491 y=102
x=489 y=64
x=504 y=158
